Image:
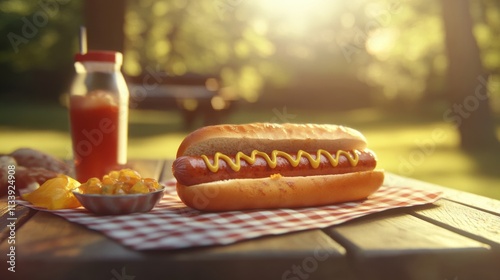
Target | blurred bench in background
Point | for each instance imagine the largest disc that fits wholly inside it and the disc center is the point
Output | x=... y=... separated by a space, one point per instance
x=194 y=96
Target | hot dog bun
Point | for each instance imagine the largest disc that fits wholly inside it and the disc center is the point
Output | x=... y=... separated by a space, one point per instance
x=257 y=136
x=284 y=192
x=275 y=191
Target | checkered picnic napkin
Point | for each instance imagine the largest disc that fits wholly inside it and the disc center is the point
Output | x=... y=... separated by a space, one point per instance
x=172 y=225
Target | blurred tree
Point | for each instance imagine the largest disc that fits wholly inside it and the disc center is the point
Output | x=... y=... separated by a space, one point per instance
x=467 y=79
x=396 y=46
x=427 y=53
x=407 y=54
x=249 y=44
x=181 y=37
x=36 y=54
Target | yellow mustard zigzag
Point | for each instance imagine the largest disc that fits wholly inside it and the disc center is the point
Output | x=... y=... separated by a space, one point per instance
x=272 y=160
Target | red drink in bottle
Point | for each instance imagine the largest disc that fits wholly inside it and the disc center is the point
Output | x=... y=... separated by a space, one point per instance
x=98 y=115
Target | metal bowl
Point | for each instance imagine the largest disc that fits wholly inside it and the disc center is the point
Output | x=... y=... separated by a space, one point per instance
x=120 y=204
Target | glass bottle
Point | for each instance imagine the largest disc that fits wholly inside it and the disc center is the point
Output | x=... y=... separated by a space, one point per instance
x=98 y=110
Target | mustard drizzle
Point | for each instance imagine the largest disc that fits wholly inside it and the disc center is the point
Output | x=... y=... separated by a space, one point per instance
x=273 y=162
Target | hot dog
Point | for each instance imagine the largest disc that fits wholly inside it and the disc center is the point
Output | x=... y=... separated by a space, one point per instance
x=28 y=157
x=32 y=168
x=263 y=165
x=191 y=170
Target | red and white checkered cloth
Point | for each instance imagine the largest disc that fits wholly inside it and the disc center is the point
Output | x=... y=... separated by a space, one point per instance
x=172 y=225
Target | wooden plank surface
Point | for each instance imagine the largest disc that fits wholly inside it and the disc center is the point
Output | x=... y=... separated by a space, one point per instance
x=12 y=219
x=465 y=220
x=469 y=199
x=394 y=245
x=76 y=252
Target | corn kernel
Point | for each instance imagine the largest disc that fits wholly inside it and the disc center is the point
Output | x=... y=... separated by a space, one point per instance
x=125 y=181
x=114 y=174
x=129 y=176
x=139 y=187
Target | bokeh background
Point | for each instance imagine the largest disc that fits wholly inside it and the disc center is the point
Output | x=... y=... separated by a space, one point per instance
x=421 y=79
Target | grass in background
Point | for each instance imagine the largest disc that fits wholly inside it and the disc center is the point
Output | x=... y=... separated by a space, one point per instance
x=420 y=147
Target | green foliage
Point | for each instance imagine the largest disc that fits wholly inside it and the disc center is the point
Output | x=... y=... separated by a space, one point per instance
x=250 y=44
x=408 y=53
x=180 y=37
x=395 y=46
x=39 y=34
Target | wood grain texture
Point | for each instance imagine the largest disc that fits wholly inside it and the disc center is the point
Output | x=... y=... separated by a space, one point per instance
x=472 y=222
x=394 y=245
x=469 y=199
x=21 y=215
x=74 y=252
x=398 y=232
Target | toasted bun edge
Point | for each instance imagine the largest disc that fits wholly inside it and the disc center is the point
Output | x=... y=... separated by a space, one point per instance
x=282 y=192
x=265 y=137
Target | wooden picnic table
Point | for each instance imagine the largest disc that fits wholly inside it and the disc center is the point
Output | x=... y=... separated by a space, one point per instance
x=189 y=94
x=455 y=238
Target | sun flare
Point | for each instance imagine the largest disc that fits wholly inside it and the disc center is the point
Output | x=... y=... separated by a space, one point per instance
x=295 y=15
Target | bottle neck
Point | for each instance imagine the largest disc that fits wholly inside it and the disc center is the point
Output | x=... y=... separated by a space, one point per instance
x=96 y=66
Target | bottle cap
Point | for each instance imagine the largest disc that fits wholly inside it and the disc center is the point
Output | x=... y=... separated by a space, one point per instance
x=100 y=56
